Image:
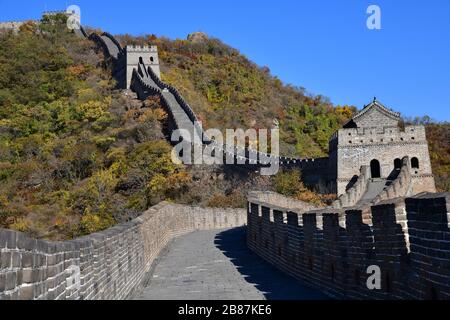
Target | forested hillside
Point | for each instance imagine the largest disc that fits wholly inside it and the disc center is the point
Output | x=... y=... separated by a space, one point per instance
x=439 y=141
x=75 y=155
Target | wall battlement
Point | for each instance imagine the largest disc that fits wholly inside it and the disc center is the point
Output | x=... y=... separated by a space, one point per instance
x=375 y=136
x=55 y=12
x=331 y=249
x=136 y=48
x=111 y=264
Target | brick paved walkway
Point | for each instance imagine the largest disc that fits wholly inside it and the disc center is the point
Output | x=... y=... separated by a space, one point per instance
x=217 y=265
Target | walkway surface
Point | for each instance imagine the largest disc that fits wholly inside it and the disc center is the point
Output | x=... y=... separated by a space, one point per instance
x=217 y=265
x=112 y=47
x=374 y=188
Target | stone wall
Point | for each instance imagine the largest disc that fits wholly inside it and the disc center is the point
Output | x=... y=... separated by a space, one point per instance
x=104 y=265
x=331 y=249
x=280 y=201
x=117 y=64
x=401 y=186
x=355 y=193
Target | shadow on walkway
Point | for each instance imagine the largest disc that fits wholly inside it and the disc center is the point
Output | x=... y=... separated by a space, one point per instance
x=274 y=284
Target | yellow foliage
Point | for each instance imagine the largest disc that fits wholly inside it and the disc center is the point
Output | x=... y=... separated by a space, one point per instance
x=289 y=183
x=86 y=94
x=117 y=155
x=77 y=70
x=310 y=197
x=102 y=182
x=5 y=122
x=178 y=178
x=103 y=142
x=152 y=114
x=234 y=200
x=91 y=223
x=92 y=110
x=345 y=111
x=29 y=27
x=117 y=158
x=157 y=183
x=3 y=201
x=21 y=224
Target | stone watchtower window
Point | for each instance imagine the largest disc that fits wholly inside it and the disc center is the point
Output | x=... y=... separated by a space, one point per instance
x=397 y=164
x=151 y=59
x=375 y=170
x=415 y=163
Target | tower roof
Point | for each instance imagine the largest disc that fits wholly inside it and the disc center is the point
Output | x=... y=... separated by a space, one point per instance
x=367 y=113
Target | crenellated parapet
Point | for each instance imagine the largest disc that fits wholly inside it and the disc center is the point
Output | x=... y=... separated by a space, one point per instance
x=353 y=195
x=137 y=48
x=281 y=201
x=333 y=249
x=108 y=265
x=401 y=186
x=368 y=136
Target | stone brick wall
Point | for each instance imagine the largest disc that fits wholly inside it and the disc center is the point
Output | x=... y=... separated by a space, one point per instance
x=331 y=249
x=355 y=193
x=279 y=200
x=116 y=64
x=401 y=186
x=104 y=265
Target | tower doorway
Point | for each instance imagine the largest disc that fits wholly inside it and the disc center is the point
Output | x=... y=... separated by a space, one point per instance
x=397 y=164
x=415 y=163
x=375 y=170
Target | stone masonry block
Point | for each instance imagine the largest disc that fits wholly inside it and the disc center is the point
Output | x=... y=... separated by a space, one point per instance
x=5 y=260
x=11 y=278
x=8 y=239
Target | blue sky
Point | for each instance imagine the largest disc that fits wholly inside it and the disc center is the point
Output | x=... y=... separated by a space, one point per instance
x=322 y=45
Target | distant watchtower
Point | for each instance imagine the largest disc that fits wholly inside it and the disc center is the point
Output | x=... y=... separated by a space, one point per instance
x=374 y=137
x=147 y=54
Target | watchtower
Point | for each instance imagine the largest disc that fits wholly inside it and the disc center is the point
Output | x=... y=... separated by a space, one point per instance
x=376 y=137
x=147 y=54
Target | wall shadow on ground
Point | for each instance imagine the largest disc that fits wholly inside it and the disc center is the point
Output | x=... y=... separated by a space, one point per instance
x=274 y=284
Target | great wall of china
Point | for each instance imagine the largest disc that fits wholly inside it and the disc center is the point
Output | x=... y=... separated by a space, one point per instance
x=332 y=249
x=391 y=222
